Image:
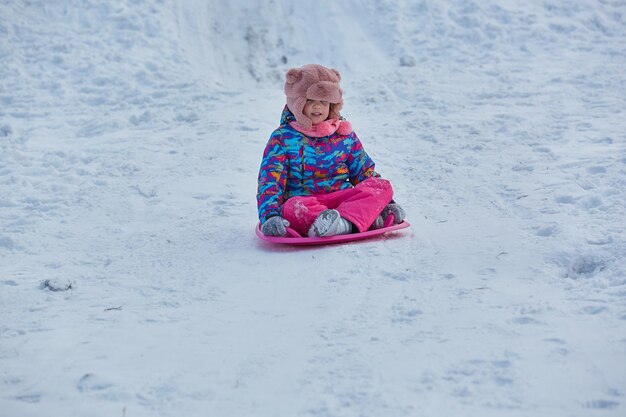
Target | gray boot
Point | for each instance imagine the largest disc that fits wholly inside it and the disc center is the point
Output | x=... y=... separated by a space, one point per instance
x=330 y=223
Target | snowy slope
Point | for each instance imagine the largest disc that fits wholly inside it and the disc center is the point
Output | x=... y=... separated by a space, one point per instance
x=131 y=282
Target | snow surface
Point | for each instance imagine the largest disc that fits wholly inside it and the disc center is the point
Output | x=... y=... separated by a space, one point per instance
x=131 y=280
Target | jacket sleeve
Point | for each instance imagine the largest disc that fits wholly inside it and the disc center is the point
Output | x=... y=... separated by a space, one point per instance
x=360 y=165
x=272 y=178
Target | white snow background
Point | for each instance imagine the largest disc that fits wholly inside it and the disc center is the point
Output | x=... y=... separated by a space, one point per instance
x=131 y=280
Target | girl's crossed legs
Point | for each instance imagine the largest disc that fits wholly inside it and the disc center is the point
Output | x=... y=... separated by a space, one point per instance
x=359 y=205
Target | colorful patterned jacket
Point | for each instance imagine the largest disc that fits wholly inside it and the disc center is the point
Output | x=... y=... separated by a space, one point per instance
x=296 y=165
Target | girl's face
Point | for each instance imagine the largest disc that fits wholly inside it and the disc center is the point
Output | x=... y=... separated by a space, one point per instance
x=316 y=110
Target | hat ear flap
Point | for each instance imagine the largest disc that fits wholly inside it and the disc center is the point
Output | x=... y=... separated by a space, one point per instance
x=296 y=105
x=293 y=75
x=336 y=73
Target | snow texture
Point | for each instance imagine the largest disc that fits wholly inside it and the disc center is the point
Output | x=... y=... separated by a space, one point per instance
x=131 y=281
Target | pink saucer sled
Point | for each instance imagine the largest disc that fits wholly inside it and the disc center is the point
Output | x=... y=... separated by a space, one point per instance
x=294 y=238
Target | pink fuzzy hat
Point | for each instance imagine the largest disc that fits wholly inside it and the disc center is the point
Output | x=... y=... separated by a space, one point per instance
x=312 y=82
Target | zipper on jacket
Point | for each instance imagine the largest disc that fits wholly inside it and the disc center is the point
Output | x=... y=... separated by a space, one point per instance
x=302 y=166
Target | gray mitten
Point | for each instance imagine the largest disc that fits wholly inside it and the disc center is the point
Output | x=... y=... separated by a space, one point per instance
x=275 y=226
x=396 y=210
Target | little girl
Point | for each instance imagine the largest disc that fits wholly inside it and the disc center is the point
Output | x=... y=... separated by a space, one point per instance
x=315 y=175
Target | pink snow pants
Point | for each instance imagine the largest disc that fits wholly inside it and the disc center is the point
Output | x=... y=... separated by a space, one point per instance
x=359 y=205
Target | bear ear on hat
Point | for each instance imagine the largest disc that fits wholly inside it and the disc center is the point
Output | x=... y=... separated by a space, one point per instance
x=293 y=75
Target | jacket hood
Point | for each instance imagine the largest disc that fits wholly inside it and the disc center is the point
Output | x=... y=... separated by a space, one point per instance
x=286 y=117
